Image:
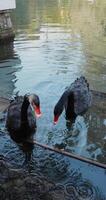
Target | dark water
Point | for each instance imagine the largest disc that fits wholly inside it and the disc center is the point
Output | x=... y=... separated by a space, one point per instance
x=56 y=42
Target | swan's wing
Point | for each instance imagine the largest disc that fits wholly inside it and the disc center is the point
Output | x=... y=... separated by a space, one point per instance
x=82 y=95
x=83 y=99
x=13 y=116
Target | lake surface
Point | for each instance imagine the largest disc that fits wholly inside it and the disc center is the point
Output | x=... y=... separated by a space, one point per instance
x=56 y=42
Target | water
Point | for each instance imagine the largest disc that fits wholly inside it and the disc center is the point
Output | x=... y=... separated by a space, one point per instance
x=56 y=42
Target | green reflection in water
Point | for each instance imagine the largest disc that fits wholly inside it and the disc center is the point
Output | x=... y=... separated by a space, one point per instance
x=81 y=18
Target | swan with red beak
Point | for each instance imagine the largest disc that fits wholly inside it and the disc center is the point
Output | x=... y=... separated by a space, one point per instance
x=21 y=121
x=76 y=99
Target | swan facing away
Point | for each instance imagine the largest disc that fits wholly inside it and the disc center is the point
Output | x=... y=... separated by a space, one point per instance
x=21 y=120
x=75 y=100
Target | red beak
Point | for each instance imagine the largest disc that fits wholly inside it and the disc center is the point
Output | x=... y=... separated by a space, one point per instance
x=37 y=111
x=56 y=119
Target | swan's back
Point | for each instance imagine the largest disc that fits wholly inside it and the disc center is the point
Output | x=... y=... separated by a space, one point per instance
x=82 y=95
x=13 y=122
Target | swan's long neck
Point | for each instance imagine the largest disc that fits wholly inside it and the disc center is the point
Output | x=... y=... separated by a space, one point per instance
x=24 y=108
x=63 y=100
x=70 y=114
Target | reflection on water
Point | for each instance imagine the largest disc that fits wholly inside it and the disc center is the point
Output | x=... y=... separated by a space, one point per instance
x=8 y=67
x=57 y=41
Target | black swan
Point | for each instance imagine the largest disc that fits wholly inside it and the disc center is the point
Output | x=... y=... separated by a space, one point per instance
x=21 y=120
x=76 y=100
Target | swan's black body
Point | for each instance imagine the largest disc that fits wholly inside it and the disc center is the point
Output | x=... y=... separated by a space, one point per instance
x=21 y=121
x=76 y=100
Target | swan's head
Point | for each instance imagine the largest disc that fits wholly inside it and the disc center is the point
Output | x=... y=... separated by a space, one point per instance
x=57 y=112
x=59 y=107
x=35 y=104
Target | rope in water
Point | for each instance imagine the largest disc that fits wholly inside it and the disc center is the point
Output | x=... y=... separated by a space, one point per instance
x=60 y=151
x=71 y=155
